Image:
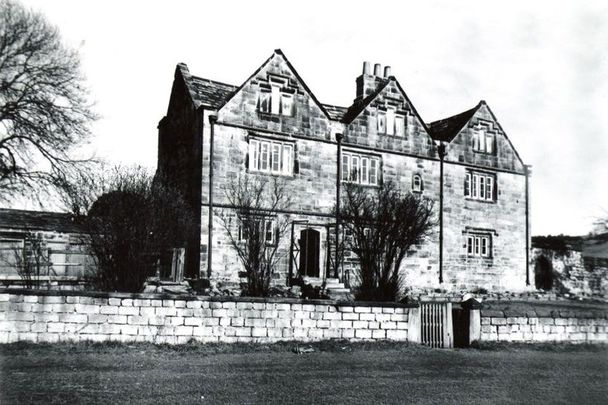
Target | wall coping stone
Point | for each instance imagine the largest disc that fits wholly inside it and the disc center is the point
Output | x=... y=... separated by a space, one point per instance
x=165 y=296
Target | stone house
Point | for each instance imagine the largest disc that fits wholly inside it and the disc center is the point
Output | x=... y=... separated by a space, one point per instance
x=273 y=125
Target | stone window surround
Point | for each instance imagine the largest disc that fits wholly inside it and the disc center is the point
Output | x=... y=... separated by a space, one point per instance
x=417 y=183
x=276 y=97
x=480 y=145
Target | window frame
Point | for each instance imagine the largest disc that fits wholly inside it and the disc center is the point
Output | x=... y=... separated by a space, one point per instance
x=479 y=245
x=480 y=186
x=351 y=160
x=262 y=155
x=484 y=140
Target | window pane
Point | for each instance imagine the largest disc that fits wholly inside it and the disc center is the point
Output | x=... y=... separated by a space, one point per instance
x=364 y=170
x=482 y=140
x=477 y=246
x=399 y=126
x=484 y=246
x=254 y=162
x=276 y=157
x=469 y=245
x=269 y=232
x=275 y=99
x=373 y=172
x=474 y=186
x=390 y=121
x=345 y=167
x=482 y=187
x=490 y=143
x=286 y=104
x=467 y=185
x=264 y=101
x=287 y=166
x=381 y=123
x=354 y=170
x=264 y=156
x=489 y=188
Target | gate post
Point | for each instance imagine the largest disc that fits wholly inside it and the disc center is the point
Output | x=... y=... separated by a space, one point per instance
x=448 y=327
x=474 y=325
x=413 y=325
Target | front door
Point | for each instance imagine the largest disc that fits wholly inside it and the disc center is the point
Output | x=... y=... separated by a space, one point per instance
x=309 y=252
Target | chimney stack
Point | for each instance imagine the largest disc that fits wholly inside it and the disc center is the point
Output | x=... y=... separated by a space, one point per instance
x=367 y=68
x=377 y=70
x=367 y=83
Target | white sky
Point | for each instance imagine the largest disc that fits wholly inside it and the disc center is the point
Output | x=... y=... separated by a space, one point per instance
x=542 y=66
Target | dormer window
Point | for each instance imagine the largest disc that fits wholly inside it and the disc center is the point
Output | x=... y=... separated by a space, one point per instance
x=483 y=141
x=400 y=125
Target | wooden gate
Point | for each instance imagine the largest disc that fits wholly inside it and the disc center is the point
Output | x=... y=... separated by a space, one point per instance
x=436 y=324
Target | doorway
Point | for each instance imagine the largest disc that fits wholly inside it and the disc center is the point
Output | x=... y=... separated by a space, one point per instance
x=310 y=249
x=543 y=273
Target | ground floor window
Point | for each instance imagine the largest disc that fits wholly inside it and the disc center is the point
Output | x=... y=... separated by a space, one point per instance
x=479 y=245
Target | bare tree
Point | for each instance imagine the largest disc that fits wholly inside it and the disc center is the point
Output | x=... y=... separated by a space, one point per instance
x=255 y=226
x=44 y=112
x=381 y=225
x=131 y=221
x=31 y=259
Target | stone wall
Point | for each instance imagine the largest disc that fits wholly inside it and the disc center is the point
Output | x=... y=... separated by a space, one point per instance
x=51 y=317
x=538 y=324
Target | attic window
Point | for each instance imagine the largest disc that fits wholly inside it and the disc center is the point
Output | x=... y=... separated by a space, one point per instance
x=483 y=141
x=417 y=183
x=391 y=123
x=276 y=99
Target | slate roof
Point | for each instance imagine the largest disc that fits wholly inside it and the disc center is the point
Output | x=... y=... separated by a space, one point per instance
x=38 y=221
x=209 y=92
x=335 y=112
x=446 y=129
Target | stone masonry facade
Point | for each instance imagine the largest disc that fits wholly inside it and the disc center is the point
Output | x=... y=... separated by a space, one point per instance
x=484 y=229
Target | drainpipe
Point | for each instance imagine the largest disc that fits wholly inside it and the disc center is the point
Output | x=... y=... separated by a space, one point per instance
x=212 y=121
x=527 y=172
x=441 y=152
x=338 y=179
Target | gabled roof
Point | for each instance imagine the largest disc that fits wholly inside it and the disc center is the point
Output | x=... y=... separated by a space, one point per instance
x=445 y=130
x=38 y=221
x=293 y=70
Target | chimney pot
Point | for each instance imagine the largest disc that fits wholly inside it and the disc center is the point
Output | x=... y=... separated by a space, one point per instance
x=387 y=72
x=367 y=68
x=377 y=70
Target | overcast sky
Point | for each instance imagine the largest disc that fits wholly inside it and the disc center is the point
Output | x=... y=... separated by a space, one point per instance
x=542 y=66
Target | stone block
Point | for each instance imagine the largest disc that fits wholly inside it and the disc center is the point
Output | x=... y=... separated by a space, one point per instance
x=245 y=331
x=256 y=322
x=351 y=316
x=108 y=309
x=204 y=331
x=332 y=333
x=127 y=302
x=363 y=333
x=130 y=310
x=179 y=304
x=360 y=324
x=378 y=334
x=21 y=316
x=48 y=337
x=346 y=309
x=362 y=309
x=169 y=303
x=368 y=316
x=32 y=299
x=398 y=318
x=118 y=319
x=49 y=299
x=330 y=316
x=498 y=321
x=141 y=303
x=402 y=325
x=183 y=330
x=388 y=325
x=546 y=321
x=162 y=311
x=136 y=320
x=249 y=305
x=348 y=333
x=300 y=333
x=561 y=321
x=37 y=327
x=396 y=334
x=211 y=321
x=114 y=301
x=258 y=332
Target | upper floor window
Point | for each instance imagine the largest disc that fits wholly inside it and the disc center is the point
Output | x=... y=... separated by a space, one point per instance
x=483 y=141
x=277 y=100
x=479 y=245
x=480 y=186
x=391 y=123
x=268 y=156
x=417 y=183
x=362 y=169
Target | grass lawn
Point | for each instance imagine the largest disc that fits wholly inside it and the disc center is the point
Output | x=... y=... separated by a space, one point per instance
x=336 y=372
